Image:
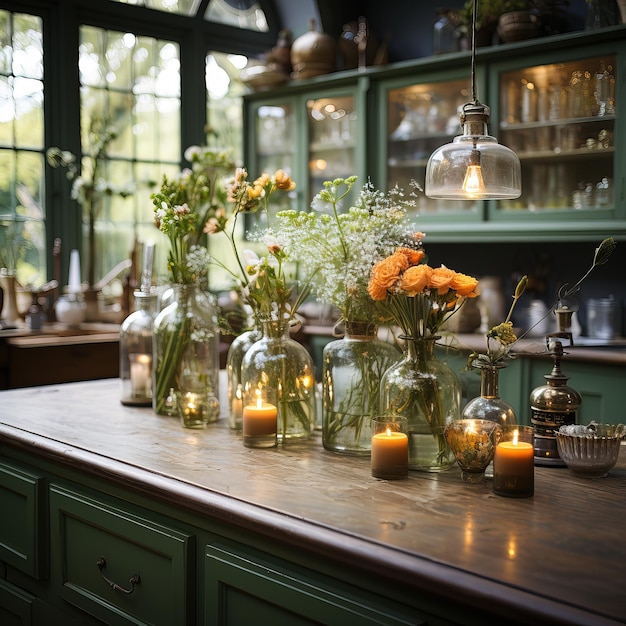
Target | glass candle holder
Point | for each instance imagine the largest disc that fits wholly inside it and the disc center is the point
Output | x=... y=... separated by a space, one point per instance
x=473 y=442
x=195 y=408
x=259 y=422
x=390 y=447
x=513 y=463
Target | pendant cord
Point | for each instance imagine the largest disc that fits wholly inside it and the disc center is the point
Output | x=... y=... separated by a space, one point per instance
x=473 y=79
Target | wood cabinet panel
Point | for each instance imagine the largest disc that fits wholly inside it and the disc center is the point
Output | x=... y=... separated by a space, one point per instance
x=87 y=532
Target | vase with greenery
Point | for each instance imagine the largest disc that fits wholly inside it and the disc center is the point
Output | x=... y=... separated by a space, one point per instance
x=336 y=246
x=186 y=332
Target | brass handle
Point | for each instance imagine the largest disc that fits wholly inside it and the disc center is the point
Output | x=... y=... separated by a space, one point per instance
x=134 y=580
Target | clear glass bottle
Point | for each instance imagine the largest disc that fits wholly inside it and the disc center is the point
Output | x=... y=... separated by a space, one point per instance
x=136 y=351
x=278 y=371
x=489 y=405
x=186 y=356
x=445 y=37
x=352 y=371
x=427 y=392
x=236 y=351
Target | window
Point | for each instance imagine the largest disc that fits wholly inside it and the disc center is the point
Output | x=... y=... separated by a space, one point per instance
x=123 y=65
x=22 y=217
x=133 y=83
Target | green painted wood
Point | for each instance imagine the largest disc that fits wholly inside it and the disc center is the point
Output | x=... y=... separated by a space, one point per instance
x=84 y=530
x=16 y=606
x=486 y=224
x=22 y=520
x=246 y=587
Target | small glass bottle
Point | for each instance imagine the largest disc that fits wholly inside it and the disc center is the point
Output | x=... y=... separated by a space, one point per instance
x=136 y=351
x=136 y=340
x=551 y=406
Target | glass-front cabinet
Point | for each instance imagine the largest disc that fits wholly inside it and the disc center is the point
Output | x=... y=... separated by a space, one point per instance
x=314 y=133
x=561 y=119
x=559 y=102
x=421 y=116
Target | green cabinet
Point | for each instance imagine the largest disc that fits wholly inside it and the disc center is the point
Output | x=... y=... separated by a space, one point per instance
x=118 y=565
x=245 y=587
x=559 y=102
x=314 y=130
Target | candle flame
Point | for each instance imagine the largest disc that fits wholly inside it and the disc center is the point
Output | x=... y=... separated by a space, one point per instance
x=388 y=431
x=259 y=399
x=515 y=437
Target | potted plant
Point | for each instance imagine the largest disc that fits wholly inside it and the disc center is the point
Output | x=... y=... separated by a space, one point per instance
x=487 y=16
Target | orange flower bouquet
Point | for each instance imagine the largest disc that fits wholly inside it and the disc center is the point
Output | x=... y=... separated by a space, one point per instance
x=417 y=297
x=424 y=390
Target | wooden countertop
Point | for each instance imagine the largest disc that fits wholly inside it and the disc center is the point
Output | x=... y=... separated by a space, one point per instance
x=559 y=557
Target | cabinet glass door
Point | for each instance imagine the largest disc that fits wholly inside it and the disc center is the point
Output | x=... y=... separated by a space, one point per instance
x=332 y=130
x=275 y=147
x=560 y=119
x=420 y=119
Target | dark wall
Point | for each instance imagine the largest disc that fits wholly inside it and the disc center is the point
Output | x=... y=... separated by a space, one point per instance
x=407 y=25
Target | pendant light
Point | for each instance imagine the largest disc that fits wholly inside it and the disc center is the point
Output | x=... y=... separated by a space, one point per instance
x=474 y=166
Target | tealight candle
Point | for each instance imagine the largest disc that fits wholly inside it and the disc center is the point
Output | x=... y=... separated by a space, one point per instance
x=513 y=463
x=390 y=448
x=193 y=410
x=259 y=424
x=140 y=375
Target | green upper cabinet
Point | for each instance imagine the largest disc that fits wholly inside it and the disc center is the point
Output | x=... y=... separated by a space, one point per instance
x=314 y=130
x=559 y=102
x=559 y=111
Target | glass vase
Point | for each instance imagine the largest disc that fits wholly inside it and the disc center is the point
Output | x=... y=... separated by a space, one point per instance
x=489 y=405
x=186 y=358
x=427 y=392
x=277 y=370
x=236 y=351
x=136 y=351
x=352 y=371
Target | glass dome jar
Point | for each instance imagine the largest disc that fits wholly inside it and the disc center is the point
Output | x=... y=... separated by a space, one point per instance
x=136 y=351
x=277 y=370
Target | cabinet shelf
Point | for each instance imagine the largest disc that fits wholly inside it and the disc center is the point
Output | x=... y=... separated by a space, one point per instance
x=578 y=153
x=592 y=119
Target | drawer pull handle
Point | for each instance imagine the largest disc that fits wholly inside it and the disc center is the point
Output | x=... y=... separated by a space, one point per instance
x=134 y=580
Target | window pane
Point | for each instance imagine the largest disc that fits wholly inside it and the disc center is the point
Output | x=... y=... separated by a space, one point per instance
x=184 y=7
x=137 y=70
x=240 y=13
x=22 y=224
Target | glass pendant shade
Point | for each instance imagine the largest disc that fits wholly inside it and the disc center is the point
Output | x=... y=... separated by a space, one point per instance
x=474 y=166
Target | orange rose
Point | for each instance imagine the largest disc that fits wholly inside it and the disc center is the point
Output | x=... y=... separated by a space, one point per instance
x=465 y=285
x=441 y=279
x=416 y=279
x=385 y=273
x=413 y=256
x=283 y=180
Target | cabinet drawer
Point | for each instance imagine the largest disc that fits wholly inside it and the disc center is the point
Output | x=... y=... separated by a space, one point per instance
x=99 y=550
x=247 y=587
x=22 y=520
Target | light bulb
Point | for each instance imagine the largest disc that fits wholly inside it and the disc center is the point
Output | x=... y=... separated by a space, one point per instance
x=473 y=183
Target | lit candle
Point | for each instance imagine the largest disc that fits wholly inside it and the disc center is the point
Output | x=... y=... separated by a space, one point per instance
x=259 y=424
x=514 y=467
x=236 y=406
x=193 y=410
x=140 y=375
x=390 y=454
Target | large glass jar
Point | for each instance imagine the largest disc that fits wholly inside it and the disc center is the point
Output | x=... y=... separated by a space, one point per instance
x=427 y=392
x=237 y=350
x=278 y=370
x=352 y=371
x=136 y=351
x=186 y=354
